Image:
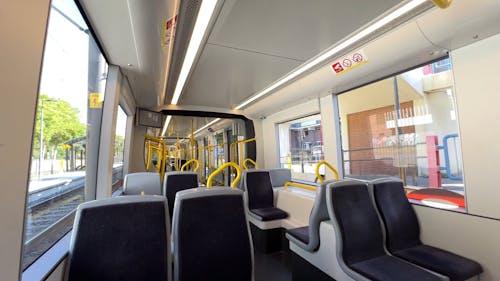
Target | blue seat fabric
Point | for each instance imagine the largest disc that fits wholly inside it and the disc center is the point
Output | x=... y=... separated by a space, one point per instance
x=261 y=196
x=362 y=241
x=269 y=214
x=403 y=235
x=213 y=239
x=301 y=233
x=120 y=242
x=456 y=267
x=175 y=183
x=389 y=268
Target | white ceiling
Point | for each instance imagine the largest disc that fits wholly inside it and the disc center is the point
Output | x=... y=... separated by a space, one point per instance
x=255 y=42
x=130 y=32
x=251 y=44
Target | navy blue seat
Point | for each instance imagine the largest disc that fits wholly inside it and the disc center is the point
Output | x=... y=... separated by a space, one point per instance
x=300 y=233
x=403 y=234
x=177 y=181
x=261 y=197
x=308 y=237
x=124 y=238
x=358 y=231
x=211 y=236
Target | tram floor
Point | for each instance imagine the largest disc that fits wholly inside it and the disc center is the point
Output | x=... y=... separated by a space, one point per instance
x=274 y=266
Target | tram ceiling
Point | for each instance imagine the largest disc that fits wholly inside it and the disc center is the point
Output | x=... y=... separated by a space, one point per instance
x=251 y=44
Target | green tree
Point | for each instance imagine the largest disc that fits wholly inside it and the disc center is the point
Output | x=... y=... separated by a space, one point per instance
x=60 y=124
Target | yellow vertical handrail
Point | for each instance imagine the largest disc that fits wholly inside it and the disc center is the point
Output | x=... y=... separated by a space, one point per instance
x=251 y=161
x=162 y=146
x=220 y=169
x=234 y=144
x=320 y=178
x=196 y=167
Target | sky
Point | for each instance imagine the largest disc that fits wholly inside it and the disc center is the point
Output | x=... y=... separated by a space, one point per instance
x=65 y=63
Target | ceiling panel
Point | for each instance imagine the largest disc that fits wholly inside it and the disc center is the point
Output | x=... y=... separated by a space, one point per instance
x=292 y=28
x=253 y=43
x=225 y=76
x=130 y=33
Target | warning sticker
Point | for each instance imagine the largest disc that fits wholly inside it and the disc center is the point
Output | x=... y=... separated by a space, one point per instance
x=95 y=100
x=168 y=31
x=349 y=62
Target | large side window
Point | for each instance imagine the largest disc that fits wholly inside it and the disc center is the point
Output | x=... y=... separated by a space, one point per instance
x=72 y=83
x=301 y=146
x=119 y=148
x=405 y=126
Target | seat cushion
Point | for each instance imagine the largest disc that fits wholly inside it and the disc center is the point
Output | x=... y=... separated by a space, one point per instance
x=301 y=233
x=269 y=214
x=456 y=267
x=388 y=268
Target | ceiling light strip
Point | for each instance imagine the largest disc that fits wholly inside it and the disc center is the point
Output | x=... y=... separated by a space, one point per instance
x=165 y=126
x=335 y=50
x=206 y=126
x=203 y=19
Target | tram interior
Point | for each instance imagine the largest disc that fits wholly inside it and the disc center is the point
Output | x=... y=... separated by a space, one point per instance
x=250 y=140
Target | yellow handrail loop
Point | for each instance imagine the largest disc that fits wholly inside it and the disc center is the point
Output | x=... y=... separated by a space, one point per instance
x=196 y=165
x=300 y=185
x=238 y=144
x=221 y=169
x=320 y=178
x=251 y=161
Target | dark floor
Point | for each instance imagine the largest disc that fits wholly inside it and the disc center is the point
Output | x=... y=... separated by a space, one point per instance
x=272 y=267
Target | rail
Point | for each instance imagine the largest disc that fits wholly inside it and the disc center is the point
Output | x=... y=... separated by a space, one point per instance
x=300 y=185
x=220 y=169
x=196 y=166
x=320 y=177
x=239 y=143
x=65 y=185
x=162 y=154
x=251 y=162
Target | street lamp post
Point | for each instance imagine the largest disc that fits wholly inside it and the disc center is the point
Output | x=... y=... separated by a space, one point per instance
x=40 y=152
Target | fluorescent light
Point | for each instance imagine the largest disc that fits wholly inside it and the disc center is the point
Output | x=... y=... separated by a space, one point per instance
x=167 y=121
x=204 y=15
x=206 y=126
x=335 y=50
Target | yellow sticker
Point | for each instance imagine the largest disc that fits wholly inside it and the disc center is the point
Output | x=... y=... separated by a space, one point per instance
x=95 y=100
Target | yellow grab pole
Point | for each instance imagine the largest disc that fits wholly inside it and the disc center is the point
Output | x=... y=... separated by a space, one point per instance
x=221 y=169
x=443 y=4
x=251 y=161
x=320 y=178
x=196 y=167
x=300 y=185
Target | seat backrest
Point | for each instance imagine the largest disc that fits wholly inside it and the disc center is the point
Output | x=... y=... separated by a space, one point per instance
x=401 y=224
x=138 y=183
x=175 y=182
x=351 y=210
x=241 y=183
x=211 y=235
x=319 y=213
x=259 y=189
x=280 y=176
x=121 y=238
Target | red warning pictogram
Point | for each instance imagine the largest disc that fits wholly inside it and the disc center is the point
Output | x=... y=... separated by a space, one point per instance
x=337 y=67
x=349 y=62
